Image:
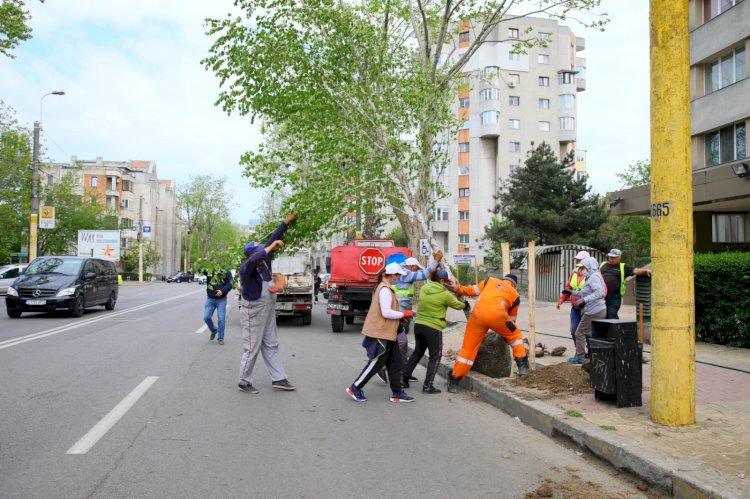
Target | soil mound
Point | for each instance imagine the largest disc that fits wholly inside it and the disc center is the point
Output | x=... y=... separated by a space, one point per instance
x=558 y=378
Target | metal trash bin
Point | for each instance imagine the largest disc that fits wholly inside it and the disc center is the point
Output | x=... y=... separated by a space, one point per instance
x=627 y=361
x=602 y=371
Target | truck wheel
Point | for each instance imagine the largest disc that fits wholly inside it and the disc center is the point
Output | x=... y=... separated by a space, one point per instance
x=337 y=323
x=307 y=319
x=349 y=319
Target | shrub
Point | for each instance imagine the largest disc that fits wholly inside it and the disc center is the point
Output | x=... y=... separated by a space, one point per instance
x=722 y=304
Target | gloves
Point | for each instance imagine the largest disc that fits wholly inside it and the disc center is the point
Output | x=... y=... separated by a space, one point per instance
x=566 y=292
x=407 y=314
x=579 y=304
x=467 y=306
x=511 y=327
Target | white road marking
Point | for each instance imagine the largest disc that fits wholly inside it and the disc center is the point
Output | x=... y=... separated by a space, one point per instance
x=61 y=329
x=107 y=422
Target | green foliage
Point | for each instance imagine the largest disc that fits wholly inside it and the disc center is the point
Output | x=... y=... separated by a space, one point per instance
x=722 y=313
x=631 y=234
x=636 y=175
x=15 y=182
x=71 y=215
x=129 y=255
x=14 y=25
x=573 y=414
x=608 y=427
x=398 y=237
x=355 y=100
x=543 y=202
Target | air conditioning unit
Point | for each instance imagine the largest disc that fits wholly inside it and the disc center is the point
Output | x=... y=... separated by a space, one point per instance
x=512 y=84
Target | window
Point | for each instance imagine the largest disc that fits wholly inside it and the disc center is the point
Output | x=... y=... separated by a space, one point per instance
x=513 y=33
x=726 y=70
x=514 y=57
x=463 y=192
x=490 y=117
x=566 y=77
x=515 y=79
x=490 y=72
x=126 y=185
x=545 y=37
x=727 y=144
x=464 y=102
x=489 y=94
x=543 y=103
x=464 y=125
x=94 y=181
x=567 y=123
x=544 y=126
x=514 y=100
x=542 y=58
x=728 y=228
x=712 y=8
x=544 y=81
x=463 y=170
x=463 y=147
x=441 y=213
x=567 y=101
x=513 y=168
x=463 y=239
x=514 y=124
x=50 y=179
x=514 y=147
x=463 y=37
x=463 y=215
x=125 y=203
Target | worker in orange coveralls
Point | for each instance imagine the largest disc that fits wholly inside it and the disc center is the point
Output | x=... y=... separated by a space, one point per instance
x=496 y=309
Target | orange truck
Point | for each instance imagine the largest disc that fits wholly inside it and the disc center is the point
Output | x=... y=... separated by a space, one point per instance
x=354 y=276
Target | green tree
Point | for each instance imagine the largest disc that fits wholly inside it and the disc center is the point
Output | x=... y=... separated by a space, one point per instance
x=129 y=256
x=15 y=182
x=544 y=202
x=14 y=25
x=635 y=175
x=355 y=98
x=73 y=212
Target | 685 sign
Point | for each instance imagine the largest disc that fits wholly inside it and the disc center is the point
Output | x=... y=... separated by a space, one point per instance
x=659 y=210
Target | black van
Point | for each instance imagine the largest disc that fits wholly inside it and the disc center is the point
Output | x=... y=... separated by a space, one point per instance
x=71 y=283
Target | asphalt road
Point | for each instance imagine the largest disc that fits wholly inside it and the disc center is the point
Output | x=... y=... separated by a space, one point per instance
x=137 y=402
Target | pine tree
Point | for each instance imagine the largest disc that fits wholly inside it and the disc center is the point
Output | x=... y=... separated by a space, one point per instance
x=545 y=203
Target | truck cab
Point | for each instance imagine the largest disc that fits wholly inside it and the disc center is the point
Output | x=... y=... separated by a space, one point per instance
x=294 y=276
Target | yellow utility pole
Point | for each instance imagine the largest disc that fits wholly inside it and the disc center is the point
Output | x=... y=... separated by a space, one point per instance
x=673 y=318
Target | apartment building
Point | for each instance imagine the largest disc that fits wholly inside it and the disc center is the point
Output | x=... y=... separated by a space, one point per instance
x=142 y=201
x=508 y=100
x=720 y=116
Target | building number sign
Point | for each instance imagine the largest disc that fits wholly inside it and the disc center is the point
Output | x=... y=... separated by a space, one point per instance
x=659 y=210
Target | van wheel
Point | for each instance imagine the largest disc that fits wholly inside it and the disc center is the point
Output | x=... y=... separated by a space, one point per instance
x=78 y=307
x=307 y=319
x=110 y=305
x=349 y=319
x=14 y=313
x=337 y=323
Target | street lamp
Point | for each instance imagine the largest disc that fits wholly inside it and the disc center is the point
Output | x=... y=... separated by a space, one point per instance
x=35 y=180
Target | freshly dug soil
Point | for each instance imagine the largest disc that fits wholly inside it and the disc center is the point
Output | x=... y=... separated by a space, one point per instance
x=558 y=378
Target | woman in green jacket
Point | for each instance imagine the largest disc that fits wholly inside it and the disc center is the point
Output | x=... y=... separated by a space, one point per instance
x=429 y=322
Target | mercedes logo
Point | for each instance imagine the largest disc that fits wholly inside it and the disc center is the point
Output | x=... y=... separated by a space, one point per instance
x=37 y=293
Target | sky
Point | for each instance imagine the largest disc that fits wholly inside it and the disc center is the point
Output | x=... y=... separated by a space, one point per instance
x=135 y=90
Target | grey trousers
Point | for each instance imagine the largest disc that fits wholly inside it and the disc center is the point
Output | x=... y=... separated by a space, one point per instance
x=258 y=319
x=584 y=328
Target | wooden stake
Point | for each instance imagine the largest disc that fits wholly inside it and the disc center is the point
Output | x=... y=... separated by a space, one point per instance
x=505 y=250
x=532 y=303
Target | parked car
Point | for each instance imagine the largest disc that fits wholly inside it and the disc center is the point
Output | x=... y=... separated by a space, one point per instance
x=8 y=274
x=72 y=283
x=181 y=277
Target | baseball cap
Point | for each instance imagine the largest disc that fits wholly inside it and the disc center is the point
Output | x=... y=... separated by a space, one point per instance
x=394 y=268
x=412 y=261
x=614 y=253
x=251 y=247
x=442 y=274
x=512 y=278
x=581 y=255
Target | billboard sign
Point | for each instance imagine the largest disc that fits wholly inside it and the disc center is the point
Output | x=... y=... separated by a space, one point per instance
x=99 y=244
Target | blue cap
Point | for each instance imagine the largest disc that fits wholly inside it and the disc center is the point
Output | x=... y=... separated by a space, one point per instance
x=251 y=247
x=399 y=258
x=442 y=274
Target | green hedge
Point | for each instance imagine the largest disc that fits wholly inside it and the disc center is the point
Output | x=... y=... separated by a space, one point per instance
x=133 y=276
x=722 y=301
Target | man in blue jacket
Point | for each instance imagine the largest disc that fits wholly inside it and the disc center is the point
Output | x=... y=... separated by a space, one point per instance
x=218 y=287
x=258 y=312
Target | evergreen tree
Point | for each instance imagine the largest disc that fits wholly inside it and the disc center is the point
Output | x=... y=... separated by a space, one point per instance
x=545 y=203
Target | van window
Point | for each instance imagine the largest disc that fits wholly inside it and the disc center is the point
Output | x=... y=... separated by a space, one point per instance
x=89 y=267
x=52 y=265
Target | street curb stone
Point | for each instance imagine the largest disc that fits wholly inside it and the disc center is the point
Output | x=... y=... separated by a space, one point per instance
x=682 y=478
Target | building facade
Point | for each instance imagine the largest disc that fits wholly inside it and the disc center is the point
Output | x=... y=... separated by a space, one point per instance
x=720 y=116
x=141 y=201
x=507 y=102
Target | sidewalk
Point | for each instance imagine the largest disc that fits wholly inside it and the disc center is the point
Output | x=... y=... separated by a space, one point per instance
x=708 y=459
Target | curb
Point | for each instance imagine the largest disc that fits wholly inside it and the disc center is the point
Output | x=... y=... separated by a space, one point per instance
x=681 y=478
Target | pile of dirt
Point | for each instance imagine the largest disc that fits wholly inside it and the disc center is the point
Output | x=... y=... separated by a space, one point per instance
x=558 y=378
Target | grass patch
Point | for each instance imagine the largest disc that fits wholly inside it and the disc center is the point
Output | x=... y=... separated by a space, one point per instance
x=658 y=433
x=608 y=427
x=573 y=414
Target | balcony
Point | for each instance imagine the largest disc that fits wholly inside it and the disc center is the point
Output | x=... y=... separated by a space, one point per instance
x=722 y=31
x=580 y=84
x=440 y=226
x=722 y=107
x=567 y=136
x=112 y=193
x=580 y=44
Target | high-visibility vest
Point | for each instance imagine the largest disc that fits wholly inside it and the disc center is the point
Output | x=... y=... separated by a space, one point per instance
x=408 y=291
x=622 y=277
x=576 y=286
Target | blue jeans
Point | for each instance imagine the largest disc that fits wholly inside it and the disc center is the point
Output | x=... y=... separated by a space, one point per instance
x=613 y=302
x=575 y=318
x=220 y=305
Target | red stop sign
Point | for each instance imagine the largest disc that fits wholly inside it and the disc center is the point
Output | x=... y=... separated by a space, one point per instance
x=371 y=261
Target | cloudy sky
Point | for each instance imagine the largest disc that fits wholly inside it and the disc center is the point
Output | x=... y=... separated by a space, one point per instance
x=135 y=90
